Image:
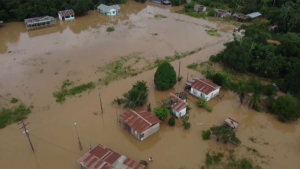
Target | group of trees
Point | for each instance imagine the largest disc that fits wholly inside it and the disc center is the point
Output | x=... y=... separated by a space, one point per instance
x=18 y=10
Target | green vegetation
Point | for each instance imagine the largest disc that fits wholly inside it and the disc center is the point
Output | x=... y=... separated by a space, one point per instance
x=159 y=16
x=137 y=96
x=178 y=2
x=161 y=113
x=192 y=13
x=185 y=122
x=14 y=100
x=110 y=29
x=213 y=32
x=165 y=76
x=201 y=102
x=224 y=134
x=8 y=116
x=149 y=107
x=65 y=90
x=142 y=1
x=179 y=78
x=171 y=121
x=206 y=135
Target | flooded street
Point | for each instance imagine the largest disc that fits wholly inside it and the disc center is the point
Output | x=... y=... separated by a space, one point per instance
x=34 y=64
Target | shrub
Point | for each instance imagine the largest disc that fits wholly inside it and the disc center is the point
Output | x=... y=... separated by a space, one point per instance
x=149 y=107
x=224 y=134
x=206 y=135
x=14 y=100
x=110 y=29
x=119 y=101
x=171 y=121
x=211 y=12
x=201 y=102
x=179 y=78
x=186 y=124
x=209 y=108
x=188 y=109
x=165 y=76
x=161 y=113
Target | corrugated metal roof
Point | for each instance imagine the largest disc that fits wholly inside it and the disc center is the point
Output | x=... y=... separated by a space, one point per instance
x=254 y=15
x=108 y=8
x=101 y=157
x=232 y=123
x=139 y=121
x=204 y=86
x=38 y=19
x=180 y=103
x=66 y=13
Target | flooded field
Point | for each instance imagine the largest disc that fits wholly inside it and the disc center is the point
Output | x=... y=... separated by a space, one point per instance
x=34 y=64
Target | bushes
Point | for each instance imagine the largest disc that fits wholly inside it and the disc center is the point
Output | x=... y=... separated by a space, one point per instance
x=165 y=76
x=201 y=102
x=224 y=134
x=14 y=100
x=186 y=123
x=171 y=121
x=8 y=116
x=211 y=12
x=206 y=135
x=110 y=29
x=161 y=113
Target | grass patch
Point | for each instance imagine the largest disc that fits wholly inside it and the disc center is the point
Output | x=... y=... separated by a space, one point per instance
x=154 y=34
x=159 y=16
x=8 y=116
x=192 y=13
x=14 y=100
x=110 y=29
x=65 y=91
x=213 y=32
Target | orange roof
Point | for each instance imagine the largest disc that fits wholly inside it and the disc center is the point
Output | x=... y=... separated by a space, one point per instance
x=139 y=121
x=204 y=86
x=180 y=103
x=66 y=13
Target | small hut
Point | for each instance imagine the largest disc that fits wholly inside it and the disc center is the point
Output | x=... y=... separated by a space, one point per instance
x=66 y=15
x=222 y=13
x=109 y=10
x=199 y=8
x=254 y=15
x=240 y=17
x=39 y=22
x=229 y=122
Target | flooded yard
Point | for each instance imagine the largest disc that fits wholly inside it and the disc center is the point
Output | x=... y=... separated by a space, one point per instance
x=34 y=64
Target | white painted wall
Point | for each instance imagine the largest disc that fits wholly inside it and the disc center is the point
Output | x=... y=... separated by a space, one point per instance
x=60 y=18
x=208 y=97
x=153 y=129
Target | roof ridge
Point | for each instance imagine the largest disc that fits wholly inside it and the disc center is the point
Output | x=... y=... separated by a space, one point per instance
x=141 y=117
x=207 y=83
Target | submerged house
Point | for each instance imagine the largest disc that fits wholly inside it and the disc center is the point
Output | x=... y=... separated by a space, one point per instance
x=202 y=88
x=222 y=13
x=66 y=15
x=140 y=124
x=199 y=8
x=229 y=122
x=254 y=15
x=109 y=10
x=101 y=157
x=240 y=17
x=39 y=22
x=178 y=106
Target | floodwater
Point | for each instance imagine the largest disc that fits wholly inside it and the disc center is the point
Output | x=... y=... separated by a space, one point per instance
x=35 y=63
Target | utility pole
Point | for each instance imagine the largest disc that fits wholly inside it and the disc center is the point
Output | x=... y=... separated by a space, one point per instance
x=79 y=142
x=100 y=103
x=187 y=77
x=25 y=131
x=179 y=70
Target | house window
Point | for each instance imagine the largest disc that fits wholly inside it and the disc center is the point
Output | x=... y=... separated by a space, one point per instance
x=194 y=92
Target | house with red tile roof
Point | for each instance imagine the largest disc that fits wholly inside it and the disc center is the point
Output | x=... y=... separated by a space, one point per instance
x=202 y=88
x=101 y=157
x=178 y=106
x=66 y=15
x=141 y=124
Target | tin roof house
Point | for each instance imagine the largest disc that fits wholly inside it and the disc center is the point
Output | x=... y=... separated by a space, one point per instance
x=178 y=106
x=66 y=15
x=141 y=124
x=222 y=13
x=202 y=88
x=39 y=22
x=199 y=8
x=101 y=157
x=109 y=10
x=254 y=15
x=240 y=17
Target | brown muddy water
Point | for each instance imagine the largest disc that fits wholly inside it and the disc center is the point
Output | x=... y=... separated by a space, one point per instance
x=35 y=63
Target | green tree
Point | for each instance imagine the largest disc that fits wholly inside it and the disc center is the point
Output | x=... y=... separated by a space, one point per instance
x=185 y=122
x=80 y=7
x=161 y=113
x=224 y=134
x=165 y=76
x=206 y=135
x=134 y=98
x=171 y=121
x=141 y=86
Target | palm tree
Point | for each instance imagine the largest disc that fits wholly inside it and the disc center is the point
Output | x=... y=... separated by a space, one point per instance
x=134 y=98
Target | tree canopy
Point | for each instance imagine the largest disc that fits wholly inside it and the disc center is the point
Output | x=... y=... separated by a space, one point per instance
x=165 y=76
x=161 y=113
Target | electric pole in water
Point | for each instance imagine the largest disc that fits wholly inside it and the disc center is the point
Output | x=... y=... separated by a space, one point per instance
x=179 y=71
x=25 y=131
x=100 y=104
x=79 y=142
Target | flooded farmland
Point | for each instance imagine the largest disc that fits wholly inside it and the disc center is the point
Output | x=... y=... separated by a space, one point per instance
x=34 y=64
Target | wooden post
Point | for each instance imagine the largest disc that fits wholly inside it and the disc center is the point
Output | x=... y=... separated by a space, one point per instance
x=179 y=70
x=100 y=104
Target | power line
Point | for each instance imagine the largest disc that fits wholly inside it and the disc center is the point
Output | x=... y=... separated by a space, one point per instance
x=25 y=131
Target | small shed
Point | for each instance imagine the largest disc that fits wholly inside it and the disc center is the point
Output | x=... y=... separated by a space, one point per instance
x=109 y=10
x=240 y=17
x=101 y=157
x=66 y=15
x=222 y=13
x=141 y=124
x=39 y=22
x=199 y=8
x=229 y=122
x=202 y=88
x=254 y=15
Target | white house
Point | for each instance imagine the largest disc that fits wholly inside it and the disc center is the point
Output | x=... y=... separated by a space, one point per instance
x=109 y=10
x=178 y=106
x=66 y=15
x=199 y=8
x=202 y=88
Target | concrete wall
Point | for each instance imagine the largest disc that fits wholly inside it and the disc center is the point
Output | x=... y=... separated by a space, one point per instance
x=59 y=17
x=179 y=114
x=66 y=19
x=153 y=129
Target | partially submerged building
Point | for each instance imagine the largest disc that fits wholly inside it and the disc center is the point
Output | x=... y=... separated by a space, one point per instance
x=220 y=13
x=240 y=17
x=199 y=8
x=202 y=88
x=229 y=122
x=141 y=124
x=39 y=22
x=66 y=15
x=109 y=10
x=178 y=105
x=254 y=15
x=101 y=157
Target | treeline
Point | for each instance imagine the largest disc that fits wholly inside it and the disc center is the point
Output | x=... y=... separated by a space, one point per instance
x=18 y=10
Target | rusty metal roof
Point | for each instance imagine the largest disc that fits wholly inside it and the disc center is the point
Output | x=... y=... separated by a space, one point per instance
x=66 y=13
x=140 y=120
x=204 y=86
x=180 y=103
x=101 y=157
